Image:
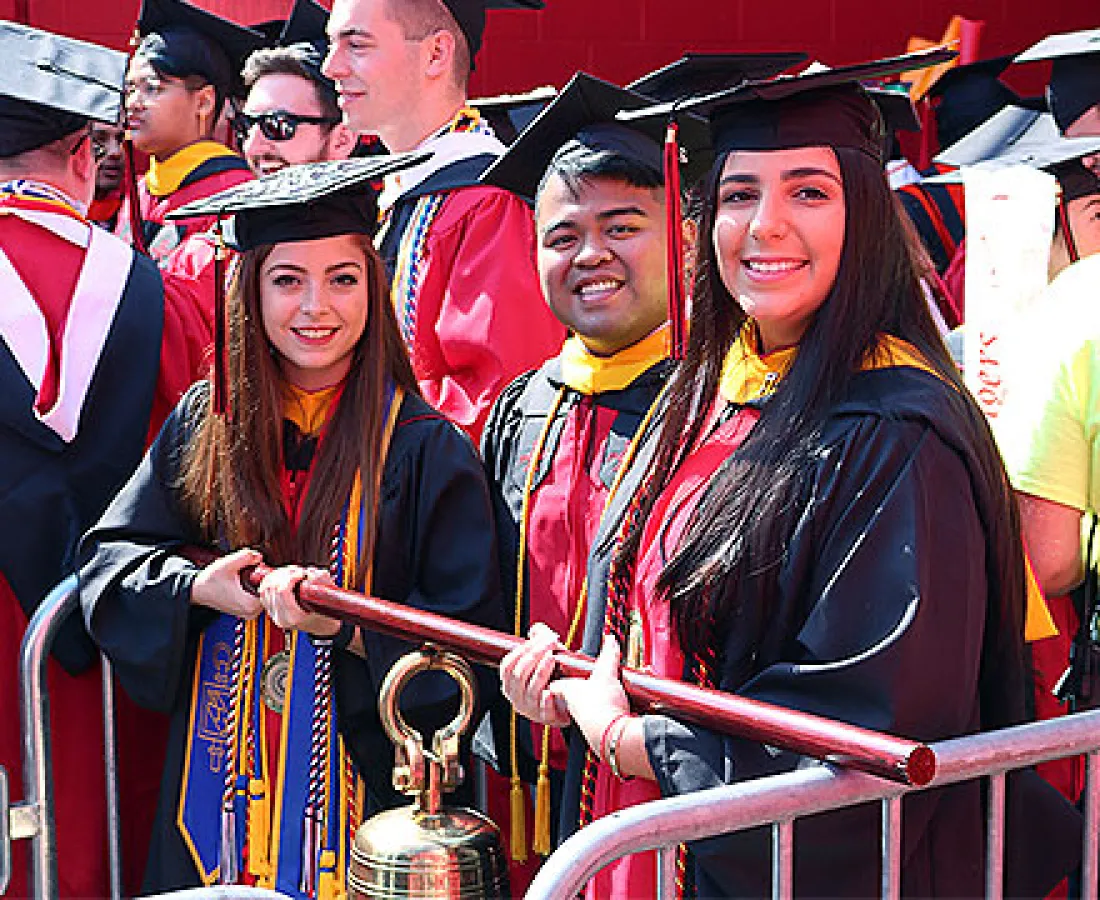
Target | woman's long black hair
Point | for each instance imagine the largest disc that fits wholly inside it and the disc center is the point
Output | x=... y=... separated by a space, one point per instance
x=740 y=530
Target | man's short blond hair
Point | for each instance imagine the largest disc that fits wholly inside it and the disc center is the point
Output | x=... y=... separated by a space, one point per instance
x=420 y=18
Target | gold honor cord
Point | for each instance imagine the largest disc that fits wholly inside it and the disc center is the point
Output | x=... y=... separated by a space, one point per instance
x=541 y=842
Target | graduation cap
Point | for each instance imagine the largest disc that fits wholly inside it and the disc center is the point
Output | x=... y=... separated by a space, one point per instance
x=1021 y=136
x=297 y=203
x=50 y=86
x=304 y=202
x=825 y=107
x=1074 y=75
x=180 y=40
x=470 y=16
x=585 y=113
x=703 y=73
x=893 y=102
x=304 y=31
x=895 y=107
x=509 y=114
x=968 y=95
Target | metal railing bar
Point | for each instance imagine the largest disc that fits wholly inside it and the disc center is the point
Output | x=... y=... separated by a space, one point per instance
x=803 y=792
x=995 y=837
x=34 y=707
x=110 y=765
x=891 y=848
x=1091 y=862
x=666 y=872
x=960 y=759
x=783 y=859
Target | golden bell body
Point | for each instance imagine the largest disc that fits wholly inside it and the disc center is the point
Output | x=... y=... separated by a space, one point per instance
x=427 y=851
x=452 y=854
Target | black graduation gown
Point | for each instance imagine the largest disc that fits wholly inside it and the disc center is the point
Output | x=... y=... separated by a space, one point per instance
x=884 y=599
x=515 y=422
x=435 y=550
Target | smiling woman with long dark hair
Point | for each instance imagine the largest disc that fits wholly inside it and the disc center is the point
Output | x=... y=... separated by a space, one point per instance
x=821 y=521
x=322 y=461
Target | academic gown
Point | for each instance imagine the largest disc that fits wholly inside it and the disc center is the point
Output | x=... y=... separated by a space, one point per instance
x=129 y=349
x=435 y=551
x=475 y=318
x=885 y=594
x=582 y=453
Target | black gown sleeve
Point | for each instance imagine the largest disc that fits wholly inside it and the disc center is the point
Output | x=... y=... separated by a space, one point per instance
x=436 y=551
x=135 y=592
x=878 y=623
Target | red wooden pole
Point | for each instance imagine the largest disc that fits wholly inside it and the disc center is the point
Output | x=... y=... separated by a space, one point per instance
x=836 y=742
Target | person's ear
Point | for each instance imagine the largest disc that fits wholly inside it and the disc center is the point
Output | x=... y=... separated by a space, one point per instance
x=438 y=54
x=206 y=101
x=341 y=141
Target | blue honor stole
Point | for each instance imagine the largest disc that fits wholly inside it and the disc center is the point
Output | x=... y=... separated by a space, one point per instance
x=292 y=832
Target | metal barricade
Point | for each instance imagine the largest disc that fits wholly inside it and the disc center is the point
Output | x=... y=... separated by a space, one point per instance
x=779 y=800
x=32 y=818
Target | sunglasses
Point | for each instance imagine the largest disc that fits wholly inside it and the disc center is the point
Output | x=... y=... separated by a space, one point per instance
x=276 y=126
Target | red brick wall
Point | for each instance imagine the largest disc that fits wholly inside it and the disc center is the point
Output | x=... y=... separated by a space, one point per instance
x=621 y=39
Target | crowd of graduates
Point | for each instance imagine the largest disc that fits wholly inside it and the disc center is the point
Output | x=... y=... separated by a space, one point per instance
x=669 y=373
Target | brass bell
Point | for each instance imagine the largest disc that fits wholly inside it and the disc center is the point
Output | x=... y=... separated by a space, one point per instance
x=427 y=851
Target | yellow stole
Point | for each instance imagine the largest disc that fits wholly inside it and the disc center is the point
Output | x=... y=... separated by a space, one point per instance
x=747 y=375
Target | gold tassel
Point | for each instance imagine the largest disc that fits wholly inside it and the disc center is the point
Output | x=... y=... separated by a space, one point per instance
x=519 y=823
x=541 y=843
x=326 y=885
x=259 y=829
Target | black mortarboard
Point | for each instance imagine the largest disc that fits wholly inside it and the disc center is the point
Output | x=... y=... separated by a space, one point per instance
x=297 y=203
x=304 y=30
x=1020 y=136
x=584 y=112
x=704 y=73
x=50 y=86
x=306 y=25
x=270 y=29
x=180 y=40
x=968 y=95
x=509 y=114
x=1075 y=74
x=304 y=202
x=470 y=16
x=822 y=108
x=895 y=107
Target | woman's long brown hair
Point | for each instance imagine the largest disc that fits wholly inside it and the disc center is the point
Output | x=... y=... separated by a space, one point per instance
x=232 y=468
x=738 y=535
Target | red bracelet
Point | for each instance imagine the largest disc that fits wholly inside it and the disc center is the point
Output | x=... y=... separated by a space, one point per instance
x=607 y=733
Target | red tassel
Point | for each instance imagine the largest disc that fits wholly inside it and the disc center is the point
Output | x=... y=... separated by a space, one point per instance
x=137 y=239
x=220 y=386
x=676 y=304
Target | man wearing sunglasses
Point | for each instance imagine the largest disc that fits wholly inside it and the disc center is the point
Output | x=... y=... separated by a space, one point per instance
x=290 y=115
x=461 y=255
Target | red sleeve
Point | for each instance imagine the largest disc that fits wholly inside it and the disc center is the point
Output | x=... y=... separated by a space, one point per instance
x=185 y=342
x=481 y=319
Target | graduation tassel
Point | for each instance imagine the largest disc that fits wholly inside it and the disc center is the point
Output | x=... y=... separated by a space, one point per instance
x=541 y=842
x=137 y=238
x=311 y=844
x=326 y=886
x=230 y=874
x=515 y=797
x=221 y=253
x=677 y=310
x=1067 y=232
x=259 y=829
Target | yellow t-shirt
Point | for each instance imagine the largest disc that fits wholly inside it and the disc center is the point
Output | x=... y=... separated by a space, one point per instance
x=1049 y=431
